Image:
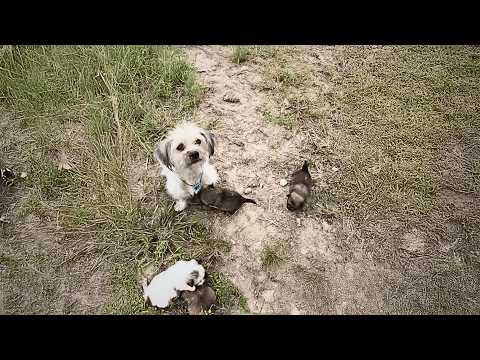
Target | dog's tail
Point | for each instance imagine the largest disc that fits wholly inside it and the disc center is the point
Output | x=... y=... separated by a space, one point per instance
x=246 y=200
x=305 y=166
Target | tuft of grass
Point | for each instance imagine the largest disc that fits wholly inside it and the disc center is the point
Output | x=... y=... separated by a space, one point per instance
x=241 y=54
x=272 y=256
x=287 y=121
x=265 y=52
x=287 y=77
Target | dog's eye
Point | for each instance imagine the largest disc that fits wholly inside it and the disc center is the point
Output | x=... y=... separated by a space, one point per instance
x=180 y=147
x=198 y=142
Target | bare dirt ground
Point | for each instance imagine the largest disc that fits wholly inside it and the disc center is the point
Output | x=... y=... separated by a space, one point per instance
x=317 y=277
x=331 y=265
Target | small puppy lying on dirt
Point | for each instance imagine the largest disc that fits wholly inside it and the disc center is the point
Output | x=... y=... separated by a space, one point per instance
x=300 y=188
x=200 y=300
x=183 y=275
x=223 y=199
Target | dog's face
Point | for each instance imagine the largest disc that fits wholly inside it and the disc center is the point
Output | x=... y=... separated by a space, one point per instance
x=295 y=201
x=186 y=147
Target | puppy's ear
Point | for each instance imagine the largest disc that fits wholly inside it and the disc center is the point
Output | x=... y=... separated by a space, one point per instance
x=305 y=166
x=210 y=139
x=194 y=274
x=162 y=153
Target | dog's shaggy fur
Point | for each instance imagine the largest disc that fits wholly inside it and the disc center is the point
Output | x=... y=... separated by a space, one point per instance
x=184 y=154
x=182 y=276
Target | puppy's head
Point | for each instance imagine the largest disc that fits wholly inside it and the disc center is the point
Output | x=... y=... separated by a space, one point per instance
x=295 y=201
x=185 y=147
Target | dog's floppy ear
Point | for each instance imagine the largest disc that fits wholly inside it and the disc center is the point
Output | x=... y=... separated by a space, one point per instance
x=162 y=153
x=210 y=139
x=194 y=274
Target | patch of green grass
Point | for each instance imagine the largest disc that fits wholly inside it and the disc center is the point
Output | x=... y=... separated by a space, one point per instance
x=272 y=256
x=31 y=204
x=283 y=120
x=50 y=179
x=287 y=77
x=228 y=296
x=241 y=54
x=75 y=83
x=128 y=296
x=82 y=215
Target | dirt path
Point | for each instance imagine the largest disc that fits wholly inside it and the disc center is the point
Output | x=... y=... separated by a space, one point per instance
x=317 y=277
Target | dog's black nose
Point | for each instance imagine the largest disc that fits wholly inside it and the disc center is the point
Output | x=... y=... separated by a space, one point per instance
x=193 y=155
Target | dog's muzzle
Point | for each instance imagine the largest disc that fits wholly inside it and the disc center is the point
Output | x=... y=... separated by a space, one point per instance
x=193 y=156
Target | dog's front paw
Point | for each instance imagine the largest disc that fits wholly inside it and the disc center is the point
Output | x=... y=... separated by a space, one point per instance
x=180 y=205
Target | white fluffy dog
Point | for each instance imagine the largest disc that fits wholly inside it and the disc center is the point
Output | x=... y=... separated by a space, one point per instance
x=166 y=285
x=184 y=154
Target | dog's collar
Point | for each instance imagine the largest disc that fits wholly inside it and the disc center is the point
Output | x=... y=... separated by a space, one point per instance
x=197 y=186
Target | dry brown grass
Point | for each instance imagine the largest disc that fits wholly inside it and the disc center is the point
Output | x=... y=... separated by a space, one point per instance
x=400 y=125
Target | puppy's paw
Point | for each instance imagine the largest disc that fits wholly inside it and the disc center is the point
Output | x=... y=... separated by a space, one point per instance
x=180 y=205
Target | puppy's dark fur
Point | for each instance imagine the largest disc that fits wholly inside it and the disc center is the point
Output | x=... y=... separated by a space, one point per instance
x=199 y=300
x=223 y=199
x=300 y=188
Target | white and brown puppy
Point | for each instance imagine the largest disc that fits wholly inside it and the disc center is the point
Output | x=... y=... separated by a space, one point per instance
x=184 y=154
x=182 y=276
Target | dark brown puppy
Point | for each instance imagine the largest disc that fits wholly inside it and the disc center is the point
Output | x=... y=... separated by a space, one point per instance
x=199 y=300
x=223 y=199
x=300 y=188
